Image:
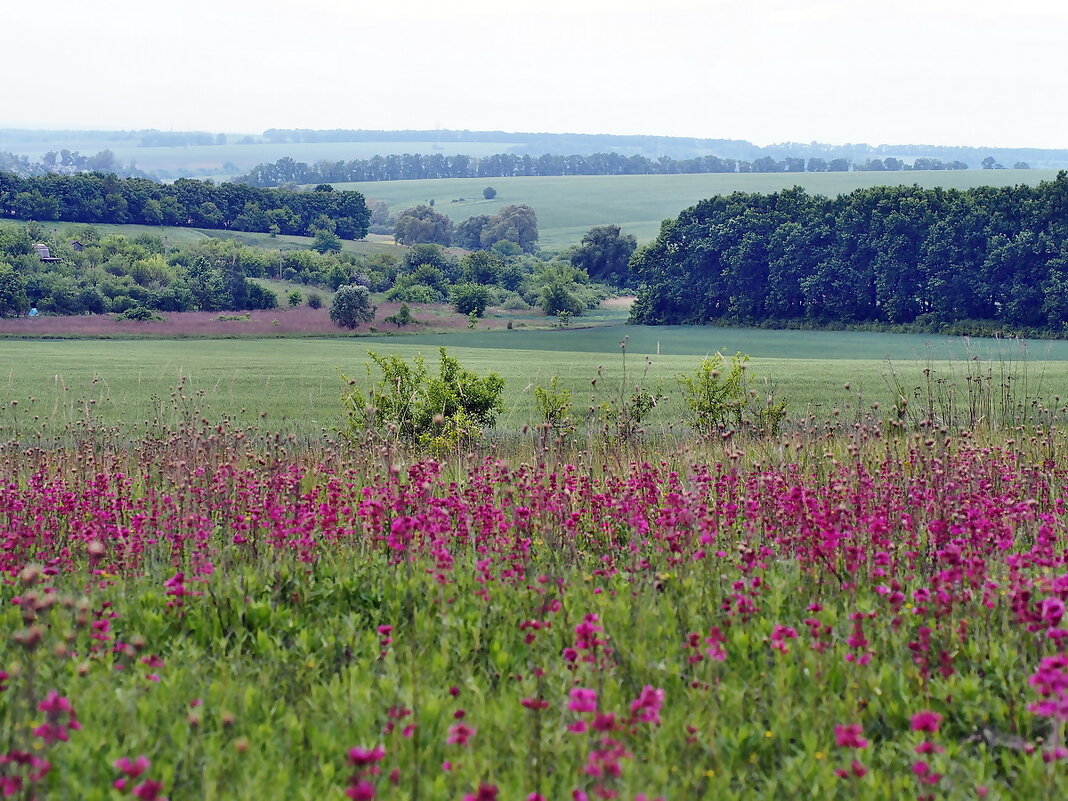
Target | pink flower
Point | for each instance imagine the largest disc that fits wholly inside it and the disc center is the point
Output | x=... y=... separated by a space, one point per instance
x=583 y=700
x=132 y=769
x=148 y=791
x=486 y=792
x=849 y=736
x=362 y=757
x=926 y=721
x=460 y=734
x=648 y=704
x=362 y=790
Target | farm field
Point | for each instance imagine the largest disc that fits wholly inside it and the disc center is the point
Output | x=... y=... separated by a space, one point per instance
x=568 y=206
x=295 y=382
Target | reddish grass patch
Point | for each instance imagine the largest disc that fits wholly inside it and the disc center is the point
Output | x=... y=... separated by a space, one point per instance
x=301 y=321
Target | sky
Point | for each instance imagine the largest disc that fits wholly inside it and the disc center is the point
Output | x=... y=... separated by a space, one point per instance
x=944 y=72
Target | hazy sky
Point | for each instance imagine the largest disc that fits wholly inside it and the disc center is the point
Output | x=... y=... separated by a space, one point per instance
x=968 y=72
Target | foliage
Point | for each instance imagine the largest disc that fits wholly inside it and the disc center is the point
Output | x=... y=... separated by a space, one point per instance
x=889 y=255
x=13 y=299
x=408 y=402
x=315 y=300
x=402 y=318
x=553 y=405
x=470 y=298
x=326 y=242
x=96 y=197
x=295 y=298
x=139 y=313
x=558 y=283
x=604 y=254
x=422 y=225
x=489 y=193
x=720 y=395
x=352 y=306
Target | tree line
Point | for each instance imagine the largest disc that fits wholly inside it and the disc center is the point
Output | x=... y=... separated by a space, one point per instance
x=106 y=198
x=983 y=259
x=415 y=166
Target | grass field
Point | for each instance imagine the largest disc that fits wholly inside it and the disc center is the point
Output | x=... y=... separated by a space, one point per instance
x=293 y=384
x=568 y=206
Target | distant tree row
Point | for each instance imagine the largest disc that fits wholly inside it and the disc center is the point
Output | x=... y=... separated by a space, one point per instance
x=106 y=198
x=415 y=167
x=886 y=255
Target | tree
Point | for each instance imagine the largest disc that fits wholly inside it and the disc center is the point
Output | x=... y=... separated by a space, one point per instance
x=13 y=300
x=468 y=234
x=326 y=241
x=604 y=253
x=489 y=193
x=470 y=298
x=421 y=224
x=558 y=282
x=517 y=224
x=352 y=306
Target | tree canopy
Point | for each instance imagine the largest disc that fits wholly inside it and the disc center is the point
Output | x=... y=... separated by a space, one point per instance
x=885 y=255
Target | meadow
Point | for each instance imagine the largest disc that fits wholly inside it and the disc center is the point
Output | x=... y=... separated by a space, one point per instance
x=211 y=592
x=568 y=206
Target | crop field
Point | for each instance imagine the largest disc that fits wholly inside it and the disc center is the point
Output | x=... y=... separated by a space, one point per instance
x=568 y=206
x=295 y=383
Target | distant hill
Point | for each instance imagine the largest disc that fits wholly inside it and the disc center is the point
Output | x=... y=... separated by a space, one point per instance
x=172 y=154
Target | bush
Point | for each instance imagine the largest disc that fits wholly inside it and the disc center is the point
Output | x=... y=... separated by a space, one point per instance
x=315 y=301
x=412 y=293
x=352 y=306
x=139 y=313
x=402 y=318
x=469 y=298
x=489 y=193
x=295 y=298
x=433 y=411
x=720 y=395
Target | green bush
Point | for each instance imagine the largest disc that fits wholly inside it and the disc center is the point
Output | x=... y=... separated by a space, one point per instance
x=437 y=411
x=470 y=298
x=720 y=395
x=352 y=306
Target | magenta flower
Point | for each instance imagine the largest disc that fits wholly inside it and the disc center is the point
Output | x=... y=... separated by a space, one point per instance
x=583 y=700
x=460 y=734
x=648 y=704
x=361 y=757
x=926 y=721
x=486 y=792
x=849 y=736
x=362 y=790
x=134 y=768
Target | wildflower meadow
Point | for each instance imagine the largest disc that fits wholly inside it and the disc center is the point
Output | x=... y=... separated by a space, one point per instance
x=862 y=610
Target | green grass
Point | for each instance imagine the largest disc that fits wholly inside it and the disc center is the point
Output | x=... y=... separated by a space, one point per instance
x=568 y=206
x=174 y=235
x=293 y=384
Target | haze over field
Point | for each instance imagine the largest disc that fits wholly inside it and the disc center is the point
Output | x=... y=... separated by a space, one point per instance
x=936 y=72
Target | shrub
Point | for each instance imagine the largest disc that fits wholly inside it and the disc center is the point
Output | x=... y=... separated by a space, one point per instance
x=352 y=306
x=435 y=411
x=295 y=298
x=719 y=394
x=315 y=301
x=489 y=193
x=470 y=298
x=139 y=313
x=402 y=318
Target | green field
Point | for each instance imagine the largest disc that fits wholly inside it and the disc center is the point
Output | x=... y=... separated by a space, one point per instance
x=293 y=384
x=568 y=206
